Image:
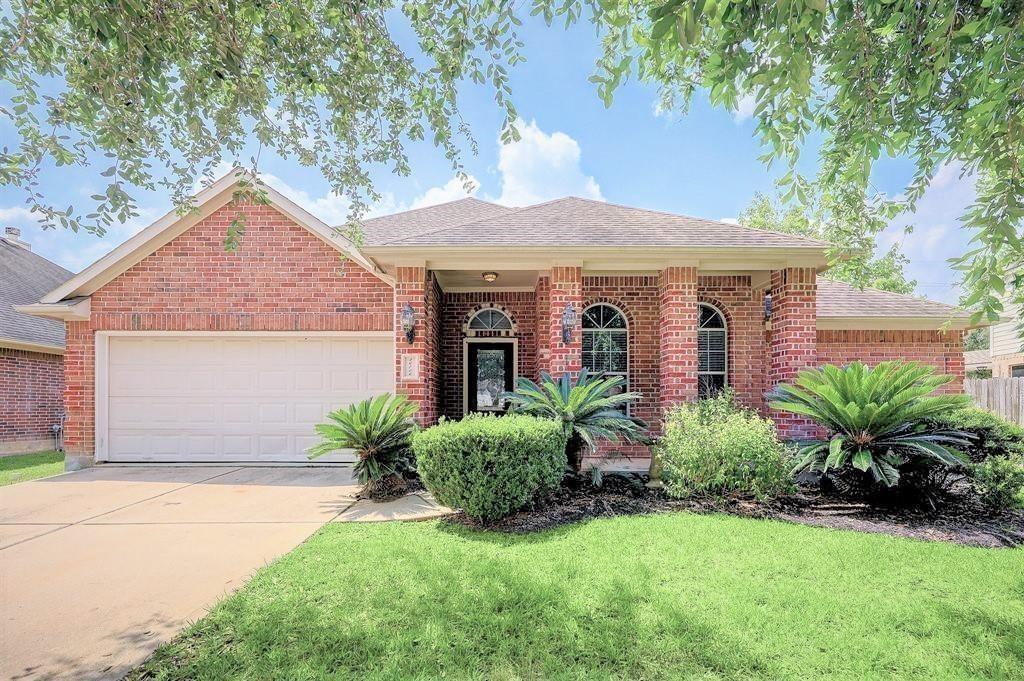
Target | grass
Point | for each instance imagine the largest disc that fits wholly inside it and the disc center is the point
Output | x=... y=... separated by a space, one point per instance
x=665 y=596
x=24 y=467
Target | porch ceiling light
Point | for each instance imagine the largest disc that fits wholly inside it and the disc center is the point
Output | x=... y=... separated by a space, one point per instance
x=568 y=322
x=489 y=277
x=409 y=322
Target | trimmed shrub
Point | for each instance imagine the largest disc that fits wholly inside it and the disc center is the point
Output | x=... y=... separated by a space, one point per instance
x=490 y=466
x=999 y=482
x=993 y=435
x=716 y=448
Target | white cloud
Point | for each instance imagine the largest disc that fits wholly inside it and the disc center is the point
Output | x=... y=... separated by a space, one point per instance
x=937 y=234
x=744 y=108
x=731 y=221
x=452 y=190
x=542 y=166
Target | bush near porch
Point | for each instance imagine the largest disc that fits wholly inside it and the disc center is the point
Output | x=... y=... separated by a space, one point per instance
x=715 y=447
x=489 y=466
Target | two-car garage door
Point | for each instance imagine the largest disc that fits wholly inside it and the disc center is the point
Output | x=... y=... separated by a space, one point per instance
x=227 y=397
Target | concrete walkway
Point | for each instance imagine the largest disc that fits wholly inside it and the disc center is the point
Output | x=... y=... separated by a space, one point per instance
x=100 y=566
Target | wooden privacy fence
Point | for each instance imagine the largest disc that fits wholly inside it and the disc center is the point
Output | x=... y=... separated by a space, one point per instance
x=1004 y=396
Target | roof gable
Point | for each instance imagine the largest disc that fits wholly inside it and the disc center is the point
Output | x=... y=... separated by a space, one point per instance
x=171 y=225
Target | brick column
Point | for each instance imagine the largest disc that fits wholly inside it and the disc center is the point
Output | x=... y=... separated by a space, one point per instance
x=793 y=343
x=414 y=362
x=542 y=313
x=677 y=334
x=566 y=286
x=79 y=395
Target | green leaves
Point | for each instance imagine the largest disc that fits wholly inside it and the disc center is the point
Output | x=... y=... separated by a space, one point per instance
x=878 y=418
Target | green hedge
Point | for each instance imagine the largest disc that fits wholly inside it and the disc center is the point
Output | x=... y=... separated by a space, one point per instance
x=716 y=448
x=999 y=482
x=490 y=466
x=994 y=435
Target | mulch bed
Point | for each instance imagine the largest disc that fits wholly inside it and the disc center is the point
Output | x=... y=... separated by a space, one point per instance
x=960 y=520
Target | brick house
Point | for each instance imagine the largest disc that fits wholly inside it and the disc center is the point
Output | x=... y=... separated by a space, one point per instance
x=180 y=351
x=31 y=350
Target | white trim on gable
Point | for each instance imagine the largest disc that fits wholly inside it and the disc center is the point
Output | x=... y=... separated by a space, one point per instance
x=172 y=225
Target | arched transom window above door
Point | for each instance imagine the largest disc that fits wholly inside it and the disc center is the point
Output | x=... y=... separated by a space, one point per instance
x=712 y=351
x=606 y=341
x=490 y=321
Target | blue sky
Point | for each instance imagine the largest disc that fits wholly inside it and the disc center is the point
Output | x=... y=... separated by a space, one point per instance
x=704 y=163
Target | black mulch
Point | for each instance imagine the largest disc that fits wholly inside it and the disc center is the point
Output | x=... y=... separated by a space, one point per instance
x=960 y=519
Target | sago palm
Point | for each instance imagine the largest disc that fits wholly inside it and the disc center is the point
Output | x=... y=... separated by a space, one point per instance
x=875 y=418
x=378 y=429
x=589 y=407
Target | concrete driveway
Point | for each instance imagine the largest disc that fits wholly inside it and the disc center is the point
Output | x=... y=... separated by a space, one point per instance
x=100 y=566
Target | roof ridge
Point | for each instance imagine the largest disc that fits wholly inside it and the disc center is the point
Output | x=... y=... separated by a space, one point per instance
x=509 y=209
x=32 y=253
x=433 y=205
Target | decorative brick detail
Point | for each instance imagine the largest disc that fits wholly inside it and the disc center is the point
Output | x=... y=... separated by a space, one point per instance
x=943 y=350
x=31 y=392
x=677 y=335
x=793 y=337
x=543 y=312
x=282 y=278
x=455 y=308
x=566 y=288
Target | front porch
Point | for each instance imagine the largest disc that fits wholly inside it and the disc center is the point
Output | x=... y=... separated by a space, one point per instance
x=675 y=333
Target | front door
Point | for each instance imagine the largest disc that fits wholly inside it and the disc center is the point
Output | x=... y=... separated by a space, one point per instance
x=490 y=371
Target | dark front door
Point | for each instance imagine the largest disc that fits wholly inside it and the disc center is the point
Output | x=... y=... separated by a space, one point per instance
x=490 y=371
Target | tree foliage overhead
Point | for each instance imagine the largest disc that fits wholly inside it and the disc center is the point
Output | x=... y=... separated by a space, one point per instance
x=168 y=89
x=854 y=259
x=938 y=81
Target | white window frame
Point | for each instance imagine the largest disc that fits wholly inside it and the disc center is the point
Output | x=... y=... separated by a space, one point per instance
x=724 y=373
x=625 y=330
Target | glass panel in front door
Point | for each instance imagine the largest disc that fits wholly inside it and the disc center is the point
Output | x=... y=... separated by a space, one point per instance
x=490 y=379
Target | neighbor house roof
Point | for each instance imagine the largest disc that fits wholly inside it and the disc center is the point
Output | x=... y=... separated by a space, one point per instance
x=570 y=221
x=24 y=278
x=838 y=300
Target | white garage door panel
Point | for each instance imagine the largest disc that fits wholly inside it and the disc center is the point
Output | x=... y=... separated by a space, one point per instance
x=234 y=398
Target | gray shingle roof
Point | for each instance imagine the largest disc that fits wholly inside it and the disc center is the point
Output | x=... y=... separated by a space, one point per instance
x=574 y=221
x=836 y=299
x=25 y=278
x=421 y=221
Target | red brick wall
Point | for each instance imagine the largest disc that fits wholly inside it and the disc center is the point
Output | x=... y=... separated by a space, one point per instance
x=941 y=349
x=792 y=340
x=282 y=278
x=677 y=334
x=566 y=287
x=455 y=310
x=31 y=389
x=743 y=308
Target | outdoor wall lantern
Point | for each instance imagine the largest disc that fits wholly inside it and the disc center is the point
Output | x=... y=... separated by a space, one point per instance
x=767 y=306
x=568 y=322
x=409 y=322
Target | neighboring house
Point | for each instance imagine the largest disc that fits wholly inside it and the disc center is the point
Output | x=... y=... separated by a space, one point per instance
x=180 y=351
x=1006 y=345
x=31 y=350
x=978 y=363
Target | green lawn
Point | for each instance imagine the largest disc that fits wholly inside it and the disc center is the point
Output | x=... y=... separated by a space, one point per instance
x=29 y=467
x=666 y=596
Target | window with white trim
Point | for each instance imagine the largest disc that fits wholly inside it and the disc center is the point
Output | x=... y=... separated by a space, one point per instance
x=712 y=352
x=606 y=342
x=490 y=319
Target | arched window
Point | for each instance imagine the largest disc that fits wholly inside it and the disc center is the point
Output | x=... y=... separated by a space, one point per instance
x=490 y=319
x=711 y=351
x=606 y=342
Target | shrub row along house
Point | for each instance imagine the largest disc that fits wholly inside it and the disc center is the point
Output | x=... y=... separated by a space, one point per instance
x=180 y=351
